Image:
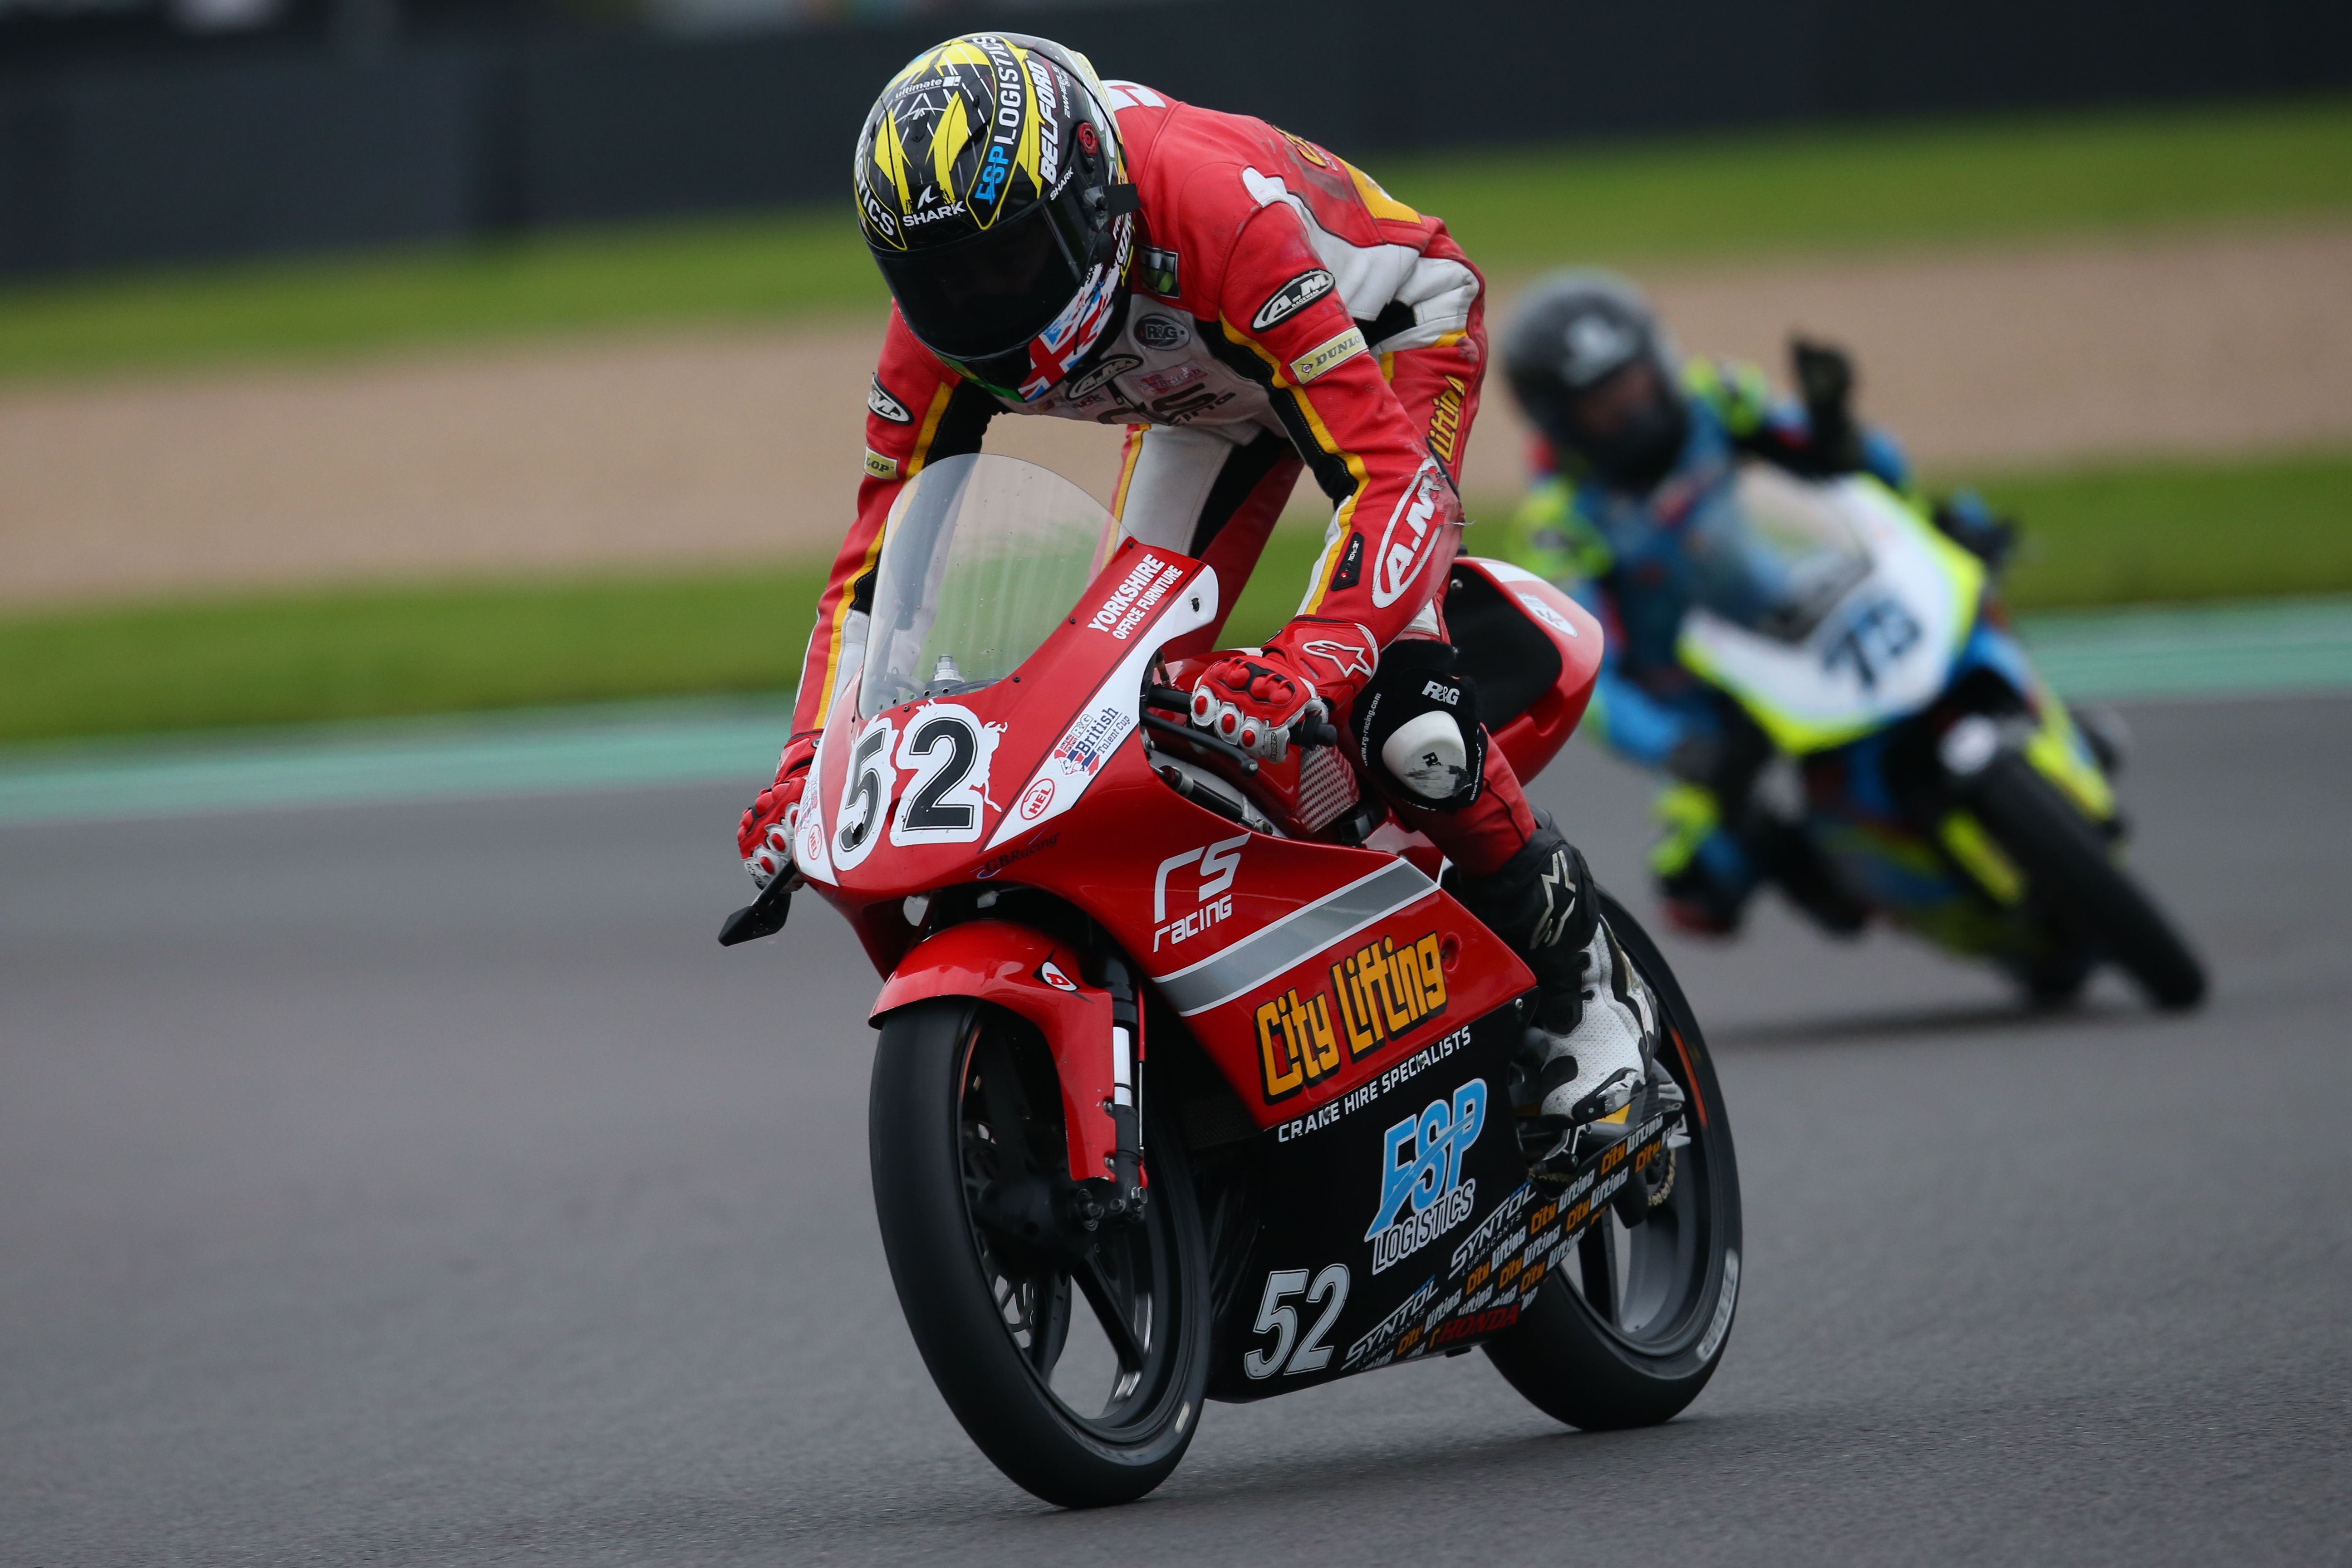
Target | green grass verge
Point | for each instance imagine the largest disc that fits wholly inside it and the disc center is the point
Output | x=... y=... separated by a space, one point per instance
x=2173 y=532
x=381 y=652
x=2181 y=532
x=1711 y=199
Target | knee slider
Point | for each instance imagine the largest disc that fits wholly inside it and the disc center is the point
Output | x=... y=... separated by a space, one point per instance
x=1416 y=726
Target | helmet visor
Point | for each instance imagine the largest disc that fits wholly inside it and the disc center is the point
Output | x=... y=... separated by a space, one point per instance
x=985 y=297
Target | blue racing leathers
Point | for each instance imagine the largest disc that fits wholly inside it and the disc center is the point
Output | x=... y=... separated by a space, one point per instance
x=1622 y=555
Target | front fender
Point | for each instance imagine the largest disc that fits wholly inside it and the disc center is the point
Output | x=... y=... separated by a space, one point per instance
x=1027 y=973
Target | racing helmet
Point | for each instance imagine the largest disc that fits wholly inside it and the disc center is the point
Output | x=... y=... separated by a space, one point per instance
x=1597 y=374
x=992 y=193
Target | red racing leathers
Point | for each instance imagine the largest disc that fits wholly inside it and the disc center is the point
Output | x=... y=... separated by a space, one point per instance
x=1284 y=311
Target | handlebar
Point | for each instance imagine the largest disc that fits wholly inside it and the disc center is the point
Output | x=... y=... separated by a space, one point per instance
x=1305 y=733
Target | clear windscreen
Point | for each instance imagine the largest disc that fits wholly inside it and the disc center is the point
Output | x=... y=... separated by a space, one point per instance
x=981 y=558
x=1772 y=553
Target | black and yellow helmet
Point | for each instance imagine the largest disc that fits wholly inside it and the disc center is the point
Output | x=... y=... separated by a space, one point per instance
x=994 y=195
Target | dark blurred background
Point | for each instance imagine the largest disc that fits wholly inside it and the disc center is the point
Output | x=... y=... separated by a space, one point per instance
x=145 y=131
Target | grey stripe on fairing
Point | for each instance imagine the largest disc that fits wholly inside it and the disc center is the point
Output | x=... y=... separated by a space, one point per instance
x=1295 y=938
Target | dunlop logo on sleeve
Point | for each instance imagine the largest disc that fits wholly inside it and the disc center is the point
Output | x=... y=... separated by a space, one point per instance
x=1319 y=360
x=880 y=466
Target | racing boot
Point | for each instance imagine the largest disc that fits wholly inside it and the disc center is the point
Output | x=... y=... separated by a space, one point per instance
x=1587 y=1050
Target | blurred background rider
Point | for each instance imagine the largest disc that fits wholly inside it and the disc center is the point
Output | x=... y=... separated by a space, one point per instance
x=1632 y=440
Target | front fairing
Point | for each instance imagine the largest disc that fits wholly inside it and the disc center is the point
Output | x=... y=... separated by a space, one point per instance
x=931 y=792
x=1883 y=648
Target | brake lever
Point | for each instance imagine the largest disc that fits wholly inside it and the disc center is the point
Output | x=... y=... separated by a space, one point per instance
x=1202 y=738
x=764 y=916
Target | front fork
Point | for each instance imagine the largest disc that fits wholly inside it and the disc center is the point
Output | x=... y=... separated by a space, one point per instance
x=2056 y=749
x=1126 y=1104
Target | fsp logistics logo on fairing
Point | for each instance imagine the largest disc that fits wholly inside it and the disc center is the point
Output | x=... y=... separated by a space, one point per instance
x=1422 y=1167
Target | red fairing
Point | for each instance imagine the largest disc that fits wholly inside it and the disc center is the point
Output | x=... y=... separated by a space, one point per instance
x=1026 y=972
x=1533 y=737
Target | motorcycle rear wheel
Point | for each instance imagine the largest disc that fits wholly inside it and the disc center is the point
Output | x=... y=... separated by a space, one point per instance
x=2070 y=867
x=969 y=1159
x=1630 y=1332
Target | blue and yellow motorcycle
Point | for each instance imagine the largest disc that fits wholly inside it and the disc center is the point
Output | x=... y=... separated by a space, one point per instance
x=1944 y=787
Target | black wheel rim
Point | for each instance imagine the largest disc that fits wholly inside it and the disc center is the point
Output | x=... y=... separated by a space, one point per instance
x=1092 y=1316
x=1650 y=1288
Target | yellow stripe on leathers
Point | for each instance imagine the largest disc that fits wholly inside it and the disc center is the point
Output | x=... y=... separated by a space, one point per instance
x=874 y=553
x=1342 y=520
x=1377 y=201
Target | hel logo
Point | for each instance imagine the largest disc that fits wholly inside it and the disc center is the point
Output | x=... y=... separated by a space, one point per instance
x=1386 y=991
x=1295 y=1043
x=1291 y=297
x=1050 y=974
x=1402 y=554
x=1040 y=797
x=1421 y=1166
x=889 y=408
x=1445 y=421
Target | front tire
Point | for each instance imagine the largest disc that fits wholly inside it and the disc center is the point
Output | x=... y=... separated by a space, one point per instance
x=1634 y=1337
x=2069 y=865
x=969 y=1175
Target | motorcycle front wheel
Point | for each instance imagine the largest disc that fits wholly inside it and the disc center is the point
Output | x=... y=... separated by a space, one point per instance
x=1628 y=1330
x=1074 y=1360
x=2070 y=867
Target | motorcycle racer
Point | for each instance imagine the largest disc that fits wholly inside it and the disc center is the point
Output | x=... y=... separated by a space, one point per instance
x=1249 y=307
x=1633 y=441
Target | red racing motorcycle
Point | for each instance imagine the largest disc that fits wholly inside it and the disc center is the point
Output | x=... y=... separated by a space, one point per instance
x=1197 y=1040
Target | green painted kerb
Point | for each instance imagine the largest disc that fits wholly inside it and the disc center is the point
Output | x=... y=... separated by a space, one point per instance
x=2149 y=655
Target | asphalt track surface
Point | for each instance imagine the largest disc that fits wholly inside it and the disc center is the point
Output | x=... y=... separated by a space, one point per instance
x=421 y=1184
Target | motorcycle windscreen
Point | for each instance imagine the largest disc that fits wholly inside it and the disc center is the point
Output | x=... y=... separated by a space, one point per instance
x=1770 y=553
x=982 y=557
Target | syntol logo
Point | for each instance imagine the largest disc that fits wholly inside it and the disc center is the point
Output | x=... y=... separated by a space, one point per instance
x=1422 y=1191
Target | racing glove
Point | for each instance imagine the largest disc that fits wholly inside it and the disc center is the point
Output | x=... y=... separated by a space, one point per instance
x=1252 y=697
x=764 y=838
x=1825 y=382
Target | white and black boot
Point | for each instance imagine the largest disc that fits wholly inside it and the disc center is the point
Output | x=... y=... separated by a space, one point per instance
x=1582 y=1081
x=1587 y=1047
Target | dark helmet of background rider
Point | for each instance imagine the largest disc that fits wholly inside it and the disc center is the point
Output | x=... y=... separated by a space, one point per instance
x=987 y=177
x=1596 y=375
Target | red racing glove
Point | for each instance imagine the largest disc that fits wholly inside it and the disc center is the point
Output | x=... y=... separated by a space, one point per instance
x=1251 y=698
x=764 y=838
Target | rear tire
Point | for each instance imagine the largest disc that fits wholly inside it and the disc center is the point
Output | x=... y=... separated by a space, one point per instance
x=1671 y=1285
x=2070 y=866
x=966 y=1110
